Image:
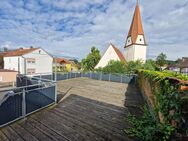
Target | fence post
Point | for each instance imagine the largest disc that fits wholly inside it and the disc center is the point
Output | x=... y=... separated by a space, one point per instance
x=67 y=75
x=100 y=76
x=90 y=74
x=109 y=77
x=23 y=103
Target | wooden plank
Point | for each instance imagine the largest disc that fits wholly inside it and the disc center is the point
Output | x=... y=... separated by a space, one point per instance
x=93 y=125
x=102 y=105
x=34 y=131
x=58 y=126
x=23 y=133
x=90 y=104
x=55 y=136
x=85 y=117
x=3 y=136
x=115 y=121
x=11 y=134
x=88 y=135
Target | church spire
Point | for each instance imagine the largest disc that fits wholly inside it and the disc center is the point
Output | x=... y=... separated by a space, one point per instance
x=136 y=26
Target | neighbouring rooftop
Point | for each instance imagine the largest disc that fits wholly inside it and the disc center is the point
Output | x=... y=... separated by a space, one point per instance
x=87 y=110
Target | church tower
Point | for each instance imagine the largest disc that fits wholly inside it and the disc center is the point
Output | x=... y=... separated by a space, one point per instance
x=135 y=46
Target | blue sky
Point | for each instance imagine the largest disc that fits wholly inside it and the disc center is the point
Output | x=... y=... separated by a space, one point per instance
x=71 y=27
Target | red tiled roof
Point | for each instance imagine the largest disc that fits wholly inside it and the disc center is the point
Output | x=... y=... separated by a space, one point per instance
x=136 y=26
x=19 y=52
x=118 y=52
x=62 y=61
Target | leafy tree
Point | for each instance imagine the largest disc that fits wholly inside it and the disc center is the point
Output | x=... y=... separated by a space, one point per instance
x=161 y=59
x=114 y=67
x=133 y=66
x=89 y=63
x=150 y=65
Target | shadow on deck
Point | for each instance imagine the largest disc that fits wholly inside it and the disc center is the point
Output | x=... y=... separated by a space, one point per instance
x=77 y=118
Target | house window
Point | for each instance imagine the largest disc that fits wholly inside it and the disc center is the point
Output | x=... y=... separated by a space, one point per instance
x=31 y=60
x=30 y=71
x=9 y=60
x=140 y=39
x=39 y=51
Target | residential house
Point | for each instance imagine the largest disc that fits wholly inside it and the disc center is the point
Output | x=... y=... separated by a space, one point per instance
x=28 y=61
x=181 y=66
x=63 y=64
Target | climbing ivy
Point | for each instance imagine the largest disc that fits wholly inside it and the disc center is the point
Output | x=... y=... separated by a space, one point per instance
x=169 y=105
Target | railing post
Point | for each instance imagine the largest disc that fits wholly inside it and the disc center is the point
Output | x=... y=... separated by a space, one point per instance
x=23 y=103
x=56 y=92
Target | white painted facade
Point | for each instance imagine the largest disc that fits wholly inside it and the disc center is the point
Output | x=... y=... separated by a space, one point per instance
x=135 y=51
x=37 y=61
x=109 y=55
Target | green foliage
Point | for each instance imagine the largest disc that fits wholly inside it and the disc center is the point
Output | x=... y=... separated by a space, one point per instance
x=128 y=67
x=169 y=100
x=147 y=129
x=161 y=59
x=133 y=66
x=150 y=65
x=114 y=67
x=91 y=60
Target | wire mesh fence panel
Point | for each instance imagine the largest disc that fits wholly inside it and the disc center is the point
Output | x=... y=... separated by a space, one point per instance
x=11 y=109
x=115 y=78
x=78 y=75
x=96 y=76
x=39 y=98
x=105 y=77
x=62 y=76
x=86 y=74
x=126 y=79
x=22 y=81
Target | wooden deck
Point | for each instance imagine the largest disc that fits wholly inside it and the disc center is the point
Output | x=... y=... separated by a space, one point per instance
x=88 y=110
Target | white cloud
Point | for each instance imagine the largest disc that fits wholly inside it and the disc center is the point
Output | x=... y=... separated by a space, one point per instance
x=71 y=27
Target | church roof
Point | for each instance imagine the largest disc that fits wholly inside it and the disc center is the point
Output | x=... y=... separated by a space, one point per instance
x=136 y=25
x=118 y=52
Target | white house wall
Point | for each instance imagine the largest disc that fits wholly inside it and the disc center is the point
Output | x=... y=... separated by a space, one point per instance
x=11 y=63
x=43 y=61
x=109 y=55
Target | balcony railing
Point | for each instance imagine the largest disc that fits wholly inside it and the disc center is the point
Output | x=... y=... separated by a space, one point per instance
x=29 y=96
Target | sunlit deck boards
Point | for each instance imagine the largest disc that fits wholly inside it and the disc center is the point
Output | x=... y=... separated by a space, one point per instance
x=91 y=110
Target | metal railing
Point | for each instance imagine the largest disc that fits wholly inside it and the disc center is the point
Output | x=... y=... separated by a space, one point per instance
x=29 y=96
x=113 y=77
